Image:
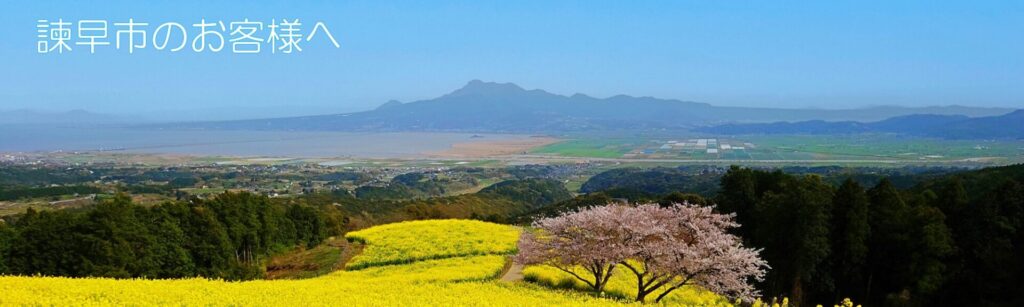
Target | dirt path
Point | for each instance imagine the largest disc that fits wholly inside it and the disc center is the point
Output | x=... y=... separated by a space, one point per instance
x=514 y=273
x=317 y=261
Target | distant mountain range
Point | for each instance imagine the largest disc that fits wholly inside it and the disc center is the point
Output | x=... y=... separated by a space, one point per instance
x=505 y=107
x=1007 y=126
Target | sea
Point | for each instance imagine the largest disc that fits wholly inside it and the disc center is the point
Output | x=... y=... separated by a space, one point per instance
x=16 y=138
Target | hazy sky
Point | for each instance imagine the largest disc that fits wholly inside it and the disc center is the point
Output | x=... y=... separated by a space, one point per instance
x=824 y=54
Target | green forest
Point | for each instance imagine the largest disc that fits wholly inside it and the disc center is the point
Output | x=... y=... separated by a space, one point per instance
x=225 y=237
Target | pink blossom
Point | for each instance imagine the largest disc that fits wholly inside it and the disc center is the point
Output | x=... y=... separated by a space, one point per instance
x=664 y=247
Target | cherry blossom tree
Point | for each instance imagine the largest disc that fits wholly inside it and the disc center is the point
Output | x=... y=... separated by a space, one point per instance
x=587 y=239
x=665 y=248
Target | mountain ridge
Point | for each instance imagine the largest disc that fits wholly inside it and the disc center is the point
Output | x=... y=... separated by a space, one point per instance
x=481 y=106
x=1006 y=126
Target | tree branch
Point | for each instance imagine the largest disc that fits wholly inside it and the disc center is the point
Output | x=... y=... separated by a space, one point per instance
x=662 y=280
x=576 y=275
x=608 y=274
x=673 y=288
x=631 y=268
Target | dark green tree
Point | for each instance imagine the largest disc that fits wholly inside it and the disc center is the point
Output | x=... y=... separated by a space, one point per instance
x=309 y=227
x=46 y=243
x=793 y=229
x=889 y=243
x=930 y=246
x=169 y=251
x=6 y=236
x=209 y=244
x=679 y=198
x=850 y=235
x=738 y=194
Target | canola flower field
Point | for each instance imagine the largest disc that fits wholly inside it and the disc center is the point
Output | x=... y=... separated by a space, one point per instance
x=459 y=270
x=623 y=285
x=406 y=242
x=427 y=283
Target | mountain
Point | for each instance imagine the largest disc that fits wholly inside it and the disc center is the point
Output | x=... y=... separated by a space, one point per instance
x=505 y=107
x=1006 y=126
x=920 y=124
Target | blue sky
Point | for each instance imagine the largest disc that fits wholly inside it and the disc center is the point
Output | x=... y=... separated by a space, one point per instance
x=824 y=54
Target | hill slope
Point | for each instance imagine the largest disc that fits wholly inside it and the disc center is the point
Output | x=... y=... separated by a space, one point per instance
x=446 y=279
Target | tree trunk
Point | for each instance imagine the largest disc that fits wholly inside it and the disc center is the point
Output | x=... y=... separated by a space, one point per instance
x=867 y=291
x=641 y=295
x=797 y=292
x=599 y=281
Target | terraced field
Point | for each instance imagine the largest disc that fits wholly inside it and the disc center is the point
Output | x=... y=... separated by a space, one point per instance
x=407 y=242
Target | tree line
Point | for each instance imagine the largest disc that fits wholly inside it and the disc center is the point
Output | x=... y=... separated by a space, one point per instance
x=229 y=236
x=917 y=238
x=951 y=241
x=33 y=192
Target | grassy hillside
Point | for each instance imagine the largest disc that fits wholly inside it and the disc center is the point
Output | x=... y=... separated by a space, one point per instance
x=449 y=278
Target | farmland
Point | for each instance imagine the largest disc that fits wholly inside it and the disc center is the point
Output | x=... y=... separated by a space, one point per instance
x=838 y=149
x=597 y=148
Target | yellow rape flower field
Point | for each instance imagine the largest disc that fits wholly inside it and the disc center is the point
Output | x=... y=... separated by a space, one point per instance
x=623 y=285
x=406 y=242
x=441 y=263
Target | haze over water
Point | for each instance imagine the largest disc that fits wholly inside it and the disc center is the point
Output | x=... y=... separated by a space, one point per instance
x=36 y=138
